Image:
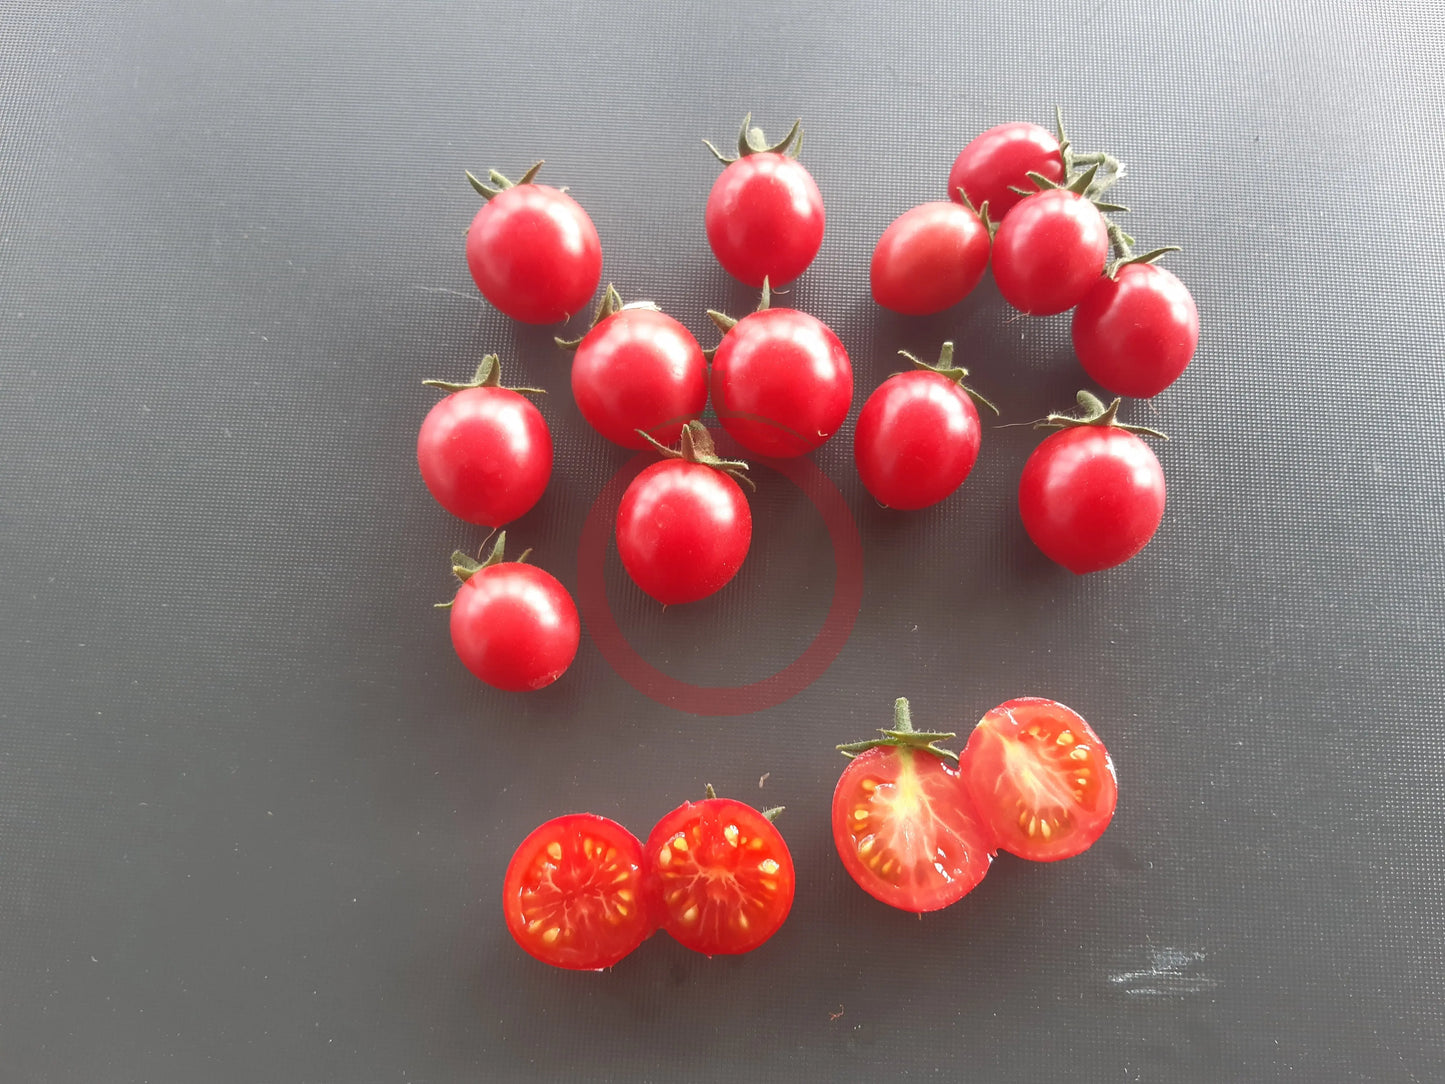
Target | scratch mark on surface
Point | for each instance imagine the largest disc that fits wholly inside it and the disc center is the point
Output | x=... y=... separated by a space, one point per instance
x=1171 y=973
x=446 y=290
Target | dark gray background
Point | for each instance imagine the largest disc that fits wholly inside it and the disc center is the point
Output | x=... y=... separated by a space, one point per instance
x=253 y=812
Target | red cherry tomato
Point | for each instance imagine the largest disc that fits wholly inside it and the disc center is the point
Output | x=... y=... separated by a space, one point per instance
x=906 y=829
x=534 y=253
x=1041 y=778
x=684 y=527
x=484 y=451
x=929 y=259
x=1000 y=159
x=639 y=369
x=917 y=437
x=723 y=877
x=1091 y=496
x=1136 y=332
x=573 y=894
x=764 y=216
x=781 y=382
x=1049 y=252
x=512 y=624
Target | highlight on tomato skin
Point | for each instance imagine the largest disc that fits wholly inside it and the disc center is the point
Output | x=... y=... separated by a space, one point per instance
x=573 y=895
x=1041 y=778
x=720 y=876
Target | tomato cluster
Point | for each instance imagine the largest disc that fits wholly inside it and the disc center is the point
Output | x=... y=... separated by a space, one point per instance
x=917 y=826
x=581 y=891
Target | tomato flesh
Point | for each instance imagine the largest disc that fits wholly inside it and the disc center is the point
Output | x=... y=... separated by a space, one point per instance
x=573 y=894
x=515 y=626
x=1041 y=778
x=929 y=259
x=535 y=254
x=999 y=160
x=765 y=219
x=1049 y=252
x=1134 y=333
x=906 y=830
x=485 y=454
x=916 y=440
x=721 y=876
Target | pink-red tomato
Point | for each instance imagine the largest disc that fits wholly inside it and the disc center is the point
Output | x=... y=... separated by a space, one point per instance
x=1134 y=333
x=535 y=254
x=1049 y=252
x=929 y=258
x=639 y=369
x=916 y=439
x=515 y=626
x=906 y=829
x=485 y=454
x=764 y=219
x=781 y=382
x=573 y=894
x=683 y=530
x=1001 y=159
x=1091 y=496
x=720 y=874
x=1041 y=778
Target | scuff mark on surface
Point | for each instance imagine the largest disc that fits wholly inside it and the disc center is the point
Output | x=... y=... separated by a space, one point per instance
x=1172 y=972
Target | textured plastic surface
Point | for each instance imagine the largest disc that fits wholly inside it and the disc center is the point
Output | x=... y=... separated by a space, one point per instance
x=254 y=814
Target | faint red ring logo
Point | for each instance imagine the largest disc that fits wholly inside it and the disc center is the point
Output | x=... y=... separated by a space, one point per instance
x=730 y=699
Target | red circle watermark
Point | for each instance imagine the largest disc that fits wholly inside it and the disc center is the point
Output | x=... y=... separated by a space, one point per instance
x=729 y=699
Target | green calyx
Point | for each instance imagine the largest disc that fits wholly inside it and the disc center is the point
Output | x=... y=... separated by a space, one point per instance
x=488 y=375
x=1123 y=246
x=903 y=736
x=726 y=323
x=465 y=566
x=500 y=183
x=696 y=446
x=946 y=368
x=610 y=305
x=1094 y=412
x=752 y=141
x=982 y=211
x=770 y=814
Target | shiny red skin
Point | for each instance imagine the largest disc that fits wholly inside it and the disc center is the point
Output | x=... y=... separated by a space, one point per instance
x=929 y=259
x=927 y=847
x=916 y=439
x=683 y=530
x=535 y=254
x=515 y=626
x=1091 y=496
x=1001 y=158
x=585 y=908
x=732 y=886
x=1135 y=333
x=639 y=369
x=485 y=454
x=1040 y=778
x=765 y=219
x=781 y=383
x=1049 y=252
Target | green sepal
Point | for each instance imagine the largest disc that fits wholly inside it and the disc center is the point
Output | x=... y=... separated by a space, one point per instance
x=903 y=736
x=946 y=368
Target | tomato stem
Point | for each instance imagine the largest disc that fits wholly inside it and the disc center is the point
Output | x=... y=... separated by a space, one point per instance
x=488 y=375
x=903 y=736
x=465 y=566
x=610 y=304
x=1094 y=412
x=752 y=141
x=696 y=446
x=500 y=183
x=946 y=368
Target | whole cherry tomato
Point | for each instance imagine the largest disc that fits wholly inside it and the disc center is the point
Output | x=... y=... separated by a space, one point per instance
x=1000 y=160
x=764 y=215
x=512 y=624
x=637 y=368
x=1041 y=778
x=929 y=258
x=484 y=451
x=720 y=874
x=1092 y=494
x=532 y=250
x=683 y=525
x=903 y=822
x=918 y=434
x=574 y=895
x=1050 y=251
x=1134 y=333
x=781 y=380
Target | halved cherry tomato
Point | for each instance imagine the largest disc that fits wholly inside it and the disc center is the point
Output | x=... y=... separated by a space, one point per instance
x=721 y=875
x=1041 y=778
x=904 y=824
x=573 y=893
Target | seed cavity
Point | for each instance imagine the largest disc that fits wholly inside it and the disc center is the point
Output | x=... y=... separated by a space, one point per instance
x=664 y=856
x=730 y=833
x=680 y=843
x=768 y=866
x=690 y=915
x=554 y=851
x=550 y=937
